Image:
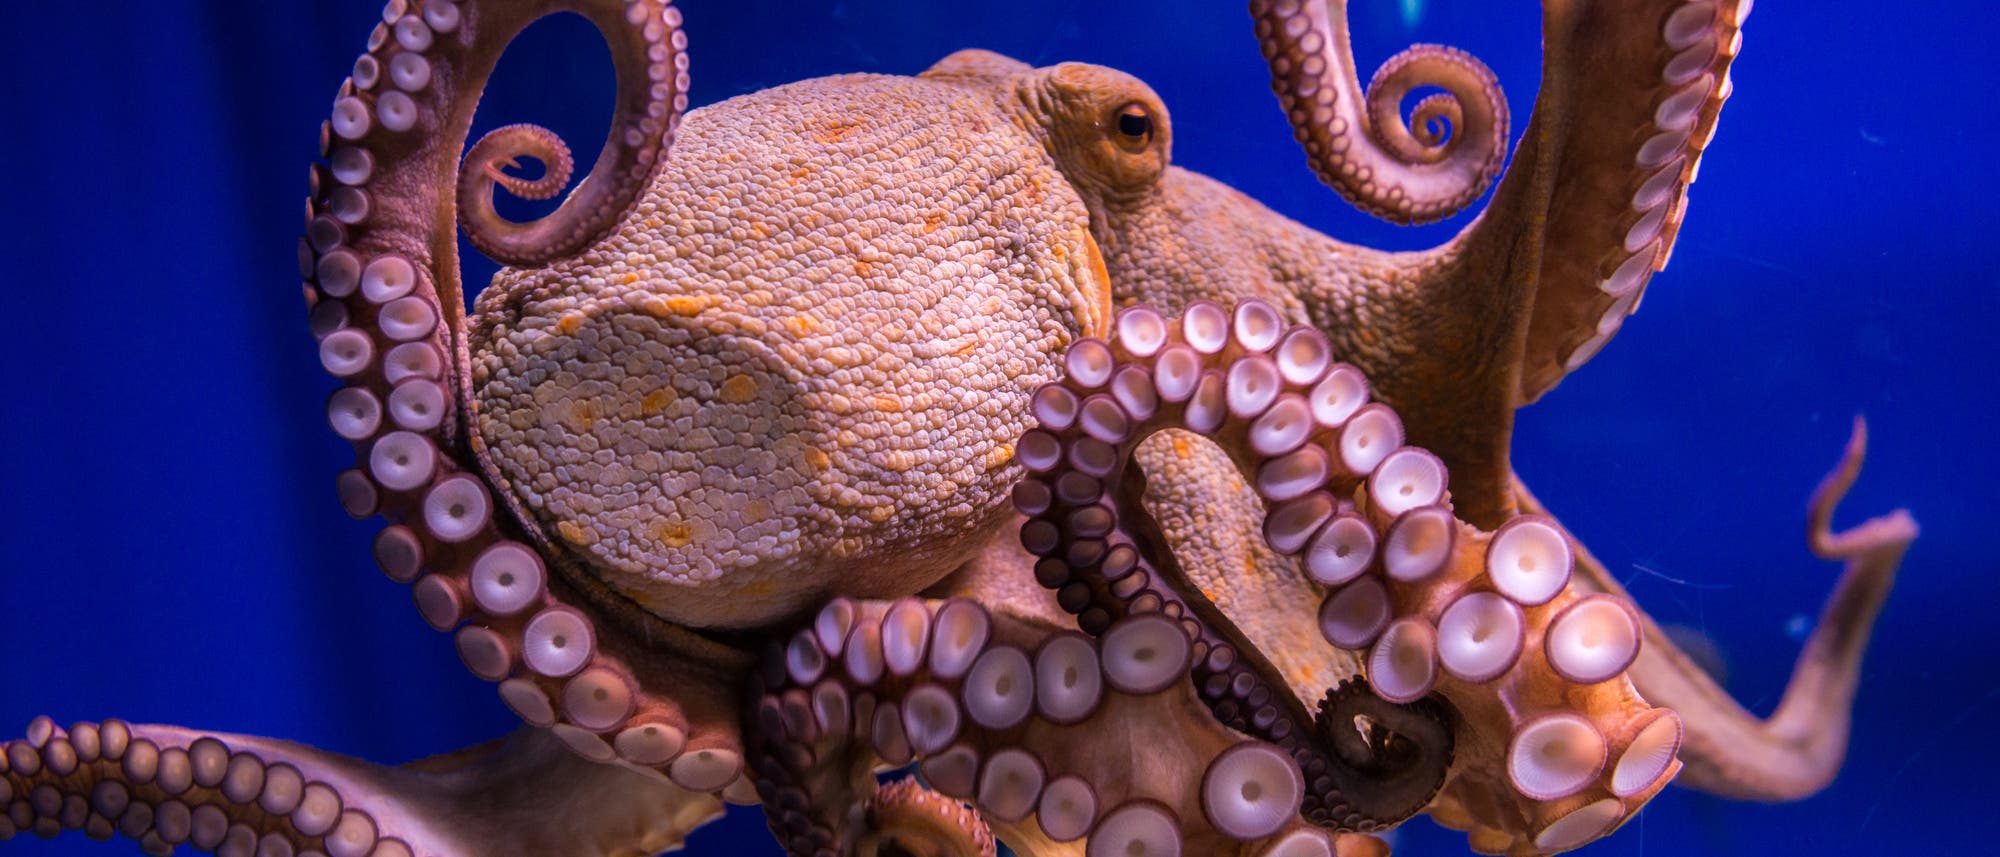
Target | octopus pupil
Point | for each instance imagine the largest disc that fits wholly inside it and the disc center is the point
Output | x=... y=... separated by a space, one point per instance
x=1134 y=124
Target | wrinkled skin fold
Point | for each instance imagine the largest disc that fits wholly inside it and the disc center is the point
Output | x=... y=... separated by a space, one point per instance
x=873 y=421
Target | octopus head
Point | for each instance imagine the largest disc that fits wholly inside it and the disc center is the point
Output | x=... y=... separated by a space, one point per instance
x=1170 y=236
x=797 y=367
x=1106 y=130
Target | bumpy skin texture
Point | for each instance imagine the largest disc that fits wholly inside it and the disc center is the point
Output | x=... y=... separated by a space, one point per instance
x=799 y=441
x=794 y=369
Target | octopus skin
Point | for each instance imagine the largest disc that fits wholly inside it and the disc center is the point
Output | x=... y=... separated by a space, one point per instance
x=876 y=421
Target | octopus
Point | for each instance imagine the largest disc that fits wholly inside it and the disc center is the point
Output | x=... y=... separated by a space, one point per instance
x=941 y=424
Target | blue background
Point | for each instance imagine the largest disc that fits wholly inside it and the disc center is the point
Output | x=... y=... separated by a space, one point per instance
x=173 y=551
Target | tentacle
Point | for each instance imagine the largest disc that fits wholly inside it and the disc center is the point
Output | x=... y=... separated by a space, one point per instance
x=503 y=147
x=1484 y=621
x=649 y=57
x=1360 y=146
x=1213 y=373
x=1798 y=749
x=904 y=818
x=387 y=307
x=240 y=795
x=1053 y=736
x=1371 y=734
x=1629 y=101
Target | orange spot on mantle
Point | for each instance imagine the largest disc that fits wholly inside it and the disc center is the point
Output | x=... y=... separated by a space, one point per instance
x=739 y=389
x=657 y=401
x=673 y=534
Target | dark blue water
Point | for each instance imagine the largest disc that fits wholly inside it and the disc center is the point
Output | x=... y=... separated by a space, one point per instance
x=173 y=551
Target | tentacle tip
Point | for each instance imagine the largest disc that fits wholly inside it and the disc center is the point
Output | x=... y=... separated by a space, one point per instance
x=1899 y=525
x=1857 y=444
x=1897 y=528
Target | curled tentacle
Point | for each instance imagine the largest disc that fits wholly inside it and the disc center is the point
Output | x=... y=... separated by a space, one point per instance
x=1395 y=756
x=237 y=795
x=650 y=59
x=907 y=820
x=388 y=311
x=503 y=148
x=1431 y=122
x=1360 y=145
x=540 y=241
x=1427 y=136
x=1798 y=749
x=1486 y=622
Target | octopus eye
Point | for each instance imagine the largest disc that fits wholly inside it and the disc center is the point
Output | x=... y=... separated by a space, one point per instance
x=1135 y=126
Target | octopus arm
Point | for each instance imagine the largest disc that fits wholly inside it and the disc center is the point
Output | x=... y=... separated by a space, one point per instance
x=1797 y=750
x=1454 y=695
x=167 y=786
x=1063 y=744
x=380 y=255
x=1419 y=170
x=1595 y=197
x=380 y=250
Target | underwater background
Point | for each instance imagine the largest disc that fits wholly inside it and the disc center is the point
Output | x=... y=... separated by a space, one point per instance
x=172 y=550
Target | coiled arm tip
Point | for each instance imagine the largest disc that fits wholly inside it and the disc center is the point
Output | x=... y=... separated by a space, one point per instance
x=1440 y=161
